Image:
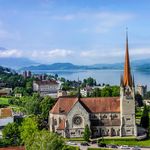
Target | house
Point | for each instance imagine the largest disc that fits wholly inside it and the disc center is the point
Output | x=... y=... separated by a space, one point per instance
x=105 y=116
x=6 y=116
x=142 y=90
x=46 y=87
x=85 y=91
x=146 y=102
x=5 y=91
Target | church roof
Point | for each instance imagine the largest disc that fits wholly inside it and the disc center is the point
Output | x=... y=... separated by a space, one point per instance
x=127 y=79
x=64 y=104
x=93 y=105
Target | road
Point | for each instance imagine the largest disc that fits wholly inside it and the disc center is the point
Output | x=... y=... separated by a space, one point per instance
x=95 y=146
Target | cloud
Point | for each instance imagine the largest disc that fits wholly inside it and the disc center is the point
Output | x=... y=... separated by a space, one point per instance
x=55 y=53
x=10 y=53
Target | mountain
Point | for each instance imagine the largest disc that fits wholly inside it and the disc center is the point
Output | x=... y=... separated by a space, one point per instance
x=140 y=65
x=55 y=66
x=69 y=66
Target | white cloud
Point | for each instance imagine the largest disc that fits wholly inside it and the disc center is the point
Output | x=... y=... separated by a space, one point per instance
x=10 y=53
x=55 y=53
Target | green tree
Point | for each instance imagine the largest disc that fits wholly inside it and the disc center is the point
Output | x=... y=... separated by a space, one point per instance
x=145 y=118
x=106 y=92
x=87 y=133
x=44 y=140
x=32 y=105
x=21 y=90
x=29 y=86
x=46 y=104
x=115 y=91
x=139 y=100
x=89 y=81
x=27 y=130
x=11 y=134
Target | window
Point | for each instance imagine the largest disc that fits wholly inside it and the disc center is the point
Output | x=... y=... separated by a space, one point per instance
x=77 y=120
x=72 y=133
x=128 y=130
x=55 y=122
x=105 y=116
x=127 y=119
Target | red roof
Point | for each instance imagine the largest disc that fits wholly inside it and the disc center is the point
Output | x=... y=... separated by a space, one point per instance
x=45 y=82
x=94 y=105
x=61 y=125
x=5 y=112
x=64 y=105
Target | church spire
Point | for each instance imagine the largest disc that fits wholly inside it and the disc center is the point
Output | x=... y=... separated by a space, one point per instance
x=127 y=79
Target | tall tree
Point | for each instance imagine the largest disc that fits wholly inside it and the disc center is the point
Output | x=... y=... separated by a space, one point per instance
x=28 y=129
x=11 y=134
x=145 y=118
x=46 y=104
x=87 y=133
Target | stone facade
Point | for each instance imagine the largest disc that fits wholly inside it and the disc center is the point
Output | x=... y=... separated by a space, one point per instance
x=105 y=116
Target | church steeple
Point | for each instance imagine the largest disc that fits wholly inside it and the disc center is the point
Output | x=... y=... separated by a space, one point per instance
x=127 y=78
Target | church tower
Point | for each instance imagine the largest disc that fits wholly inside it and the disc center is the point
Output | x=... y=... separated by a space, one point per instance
x=127 y=99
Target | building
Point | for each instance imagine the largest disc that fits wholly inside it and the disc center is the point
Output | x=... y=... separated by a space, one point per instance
x=5 y=91
x=106 y=116
x=46 y=87
x=27 y=74
x=146 y=102
x=86 y=91
x=142 y=90
x=61 y=93
x=6 y=116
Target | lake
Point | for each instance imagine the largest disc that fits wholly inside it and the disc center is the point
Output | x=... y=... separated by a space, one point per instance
x=111 y=77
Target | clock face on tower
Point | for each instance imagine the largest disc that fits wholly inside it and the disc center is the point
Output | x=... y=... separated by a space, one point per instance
x=77 y=120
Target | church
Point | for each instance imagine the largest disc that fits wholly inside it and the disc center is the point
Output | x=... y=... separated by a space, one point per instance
x=105 y=116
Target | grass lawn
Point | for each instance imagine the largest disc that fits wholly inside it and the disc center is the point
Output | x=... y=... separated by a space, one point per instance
x=72 y=148
x=74 y=139
x=3 y=101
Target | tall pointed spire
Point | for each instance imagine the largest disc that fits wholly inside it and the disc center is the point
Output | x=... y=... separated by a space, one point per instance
x=127 y=79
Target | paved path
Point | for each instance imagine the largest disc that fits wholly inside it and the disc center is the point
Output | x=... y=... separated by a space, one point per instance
x=95 y=146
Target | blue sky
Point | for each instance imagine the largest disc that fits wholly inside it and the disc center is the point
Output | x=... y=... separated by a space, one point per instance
x=76 y=31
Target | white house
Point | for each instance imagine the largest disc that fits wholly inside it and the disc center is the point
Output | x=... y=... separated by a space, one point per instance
x=46 y=87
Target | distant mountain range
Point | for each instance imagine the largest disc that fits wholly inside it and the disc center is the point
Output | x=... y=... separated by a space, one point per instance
x=141 y=65
x=22 y=63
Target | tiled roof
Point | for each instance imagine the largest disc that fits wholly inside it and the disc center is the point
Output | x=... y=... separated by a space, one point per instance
x=94 y=105
x=64 y=104
x=102 y=104
x=61 y=125
x=45 y=82
x=5 y=112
